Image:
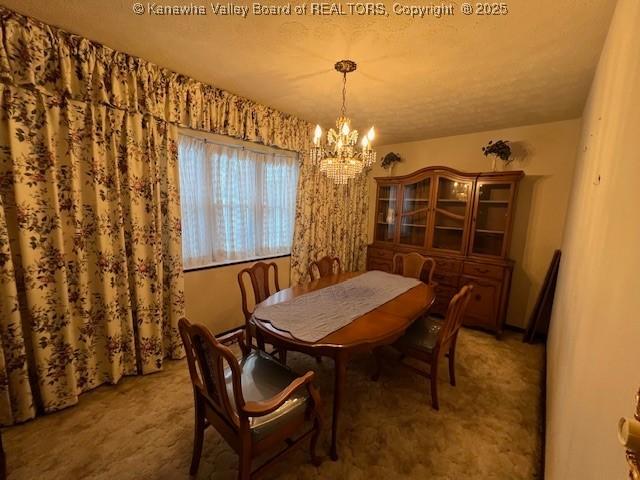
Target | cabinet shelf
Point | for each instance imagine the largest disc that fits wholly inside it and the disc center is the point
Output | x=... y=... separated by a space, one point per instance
x=490 y=232
x=416 y=199
x=451 y=200
x=390 y=199
x=457 y=229
x=447 y=213
x=413 y=225
x=495 y=202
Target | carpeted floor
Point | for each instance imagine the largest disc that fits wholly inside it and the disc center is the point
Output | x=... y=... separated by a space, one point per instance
x=488 y=426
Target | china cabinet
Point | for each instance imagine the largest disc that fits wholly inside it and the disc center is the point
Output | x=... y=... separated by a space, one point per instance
x=463 y=221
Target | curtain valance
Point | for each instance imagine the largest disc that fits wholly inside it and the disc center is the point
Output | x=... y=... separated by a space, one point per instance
x=38 y=56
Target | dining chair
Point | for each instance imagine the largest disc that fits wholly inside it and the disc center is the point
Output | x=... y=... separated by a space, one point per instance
x=430 y=339
x=254 y=403
x=325 y=266
x=258 y=275
x=412 y=265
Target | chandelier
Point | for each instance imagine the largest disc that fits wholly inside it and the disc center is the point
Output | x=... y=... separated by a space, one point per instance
x=340 y=158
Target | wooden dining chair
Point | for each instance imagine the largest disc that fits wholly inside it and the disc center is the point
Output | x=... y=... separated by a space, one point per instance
x=325 y=266
x=255 y=403
x=430 y=339
x=258 y=275
x=412 y=265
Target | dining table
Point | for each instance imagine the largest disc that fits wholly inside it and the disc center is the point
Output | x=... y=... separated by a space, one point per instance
x=378 y=327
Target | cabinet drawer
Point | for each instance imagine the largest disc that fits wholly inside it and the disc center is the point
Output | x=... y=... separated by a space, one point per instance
x=483 y=270
x=447 y=265
x=378 y=264
x=380 y=253
x=483 y=307
x=450 y=280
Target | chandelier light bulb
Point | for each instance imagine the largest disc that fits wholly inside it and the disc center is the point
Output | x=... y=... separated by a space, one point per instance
x=371 y=134
x=365 y=141
x=345 y=128
x=317 y=135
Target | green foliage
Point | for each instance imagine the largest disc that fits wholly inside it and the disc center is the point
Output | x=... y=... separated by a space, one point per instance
x=389 y=159
x=501 y=149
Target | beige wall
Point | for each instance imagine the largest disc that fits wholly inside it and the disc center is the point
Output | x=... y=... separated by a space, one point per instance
x=546 y=152
x=594 y=346
x=212 y=296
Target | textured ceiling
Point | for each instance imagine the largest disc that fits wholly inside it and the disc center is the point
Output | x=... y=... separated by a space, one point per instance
x=417 y=78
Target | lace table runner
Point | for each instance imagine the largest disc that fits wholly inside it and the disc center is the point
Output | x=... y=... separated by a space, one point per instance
x=315 y=315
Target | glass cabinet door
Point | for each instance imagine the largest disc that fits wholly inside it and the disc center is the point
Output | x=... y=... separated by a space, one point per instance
x=415 y=207
x=386 y=212
x=490 y=225
x=452 y=199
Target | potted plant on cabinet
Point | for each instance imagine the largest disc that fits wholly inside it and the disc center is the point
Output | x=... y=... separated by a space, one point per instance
x=499 y=149
x=389 y=161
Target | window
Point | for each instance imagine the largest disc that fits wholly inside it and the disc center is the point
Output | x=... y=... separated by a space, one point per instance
x=238 y=202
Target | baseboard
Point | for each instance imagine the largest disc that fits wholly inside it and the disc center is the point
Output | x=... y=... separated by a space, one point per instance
x=513 y=328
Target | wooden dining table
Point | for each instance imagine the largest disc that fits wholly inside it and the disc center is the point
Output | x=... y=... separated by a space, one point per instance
x=381 y=326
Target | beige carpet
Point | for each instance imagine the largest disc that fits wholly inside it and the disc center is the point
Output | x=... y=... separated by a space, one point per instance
x=488 y=426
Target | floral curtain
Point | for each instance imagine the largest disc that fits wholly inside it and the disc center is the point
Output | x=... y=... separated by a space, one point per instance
x=16 y=401
x=330 y=220
x=91 y=282
x=92 y=231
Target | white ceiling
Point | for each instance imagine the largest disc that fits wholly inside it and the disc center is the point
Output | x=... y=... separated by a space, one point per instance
x=416 y=78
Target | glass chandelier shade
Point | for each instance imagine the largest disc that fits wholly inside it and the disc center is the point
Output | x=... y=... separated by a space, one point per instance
x=340 y=157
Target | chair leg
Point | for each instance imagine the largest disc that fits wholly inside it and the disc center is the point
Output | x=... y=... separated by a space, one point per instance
x=452 y=365
x=315 y=460
x=434 y=384
x=244 y=465
x=317 y=425
x=283 y=356
x=249 y=339
x=198 y=438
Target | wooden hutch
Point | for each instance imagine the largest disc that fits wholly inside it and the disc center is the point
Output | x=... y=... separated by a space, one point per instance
x=463 y=221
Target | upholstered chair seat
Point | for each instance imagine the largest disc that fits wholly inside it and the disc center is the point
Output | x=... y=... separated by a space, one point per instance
x=262 y=377
x=423 y=334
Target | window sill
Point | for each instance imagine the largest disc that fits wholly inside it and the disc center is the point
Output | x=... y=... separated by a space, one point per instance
x=234 y=262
